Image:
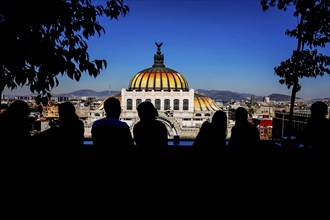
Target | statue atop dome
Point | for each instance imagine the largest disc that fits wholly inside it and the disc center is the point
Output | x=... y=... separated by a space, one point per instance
x=158 y=57
x=158 y=47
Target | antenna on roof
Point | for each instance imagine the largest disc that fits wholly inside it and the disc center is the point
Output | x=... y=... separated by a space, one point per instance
x=109 y=89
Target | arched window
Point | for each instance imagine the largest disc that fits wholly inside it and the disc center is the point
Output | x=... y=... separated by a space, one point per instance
x=157 y=104
x=176 y=104
x=129 y=104
x=185 y=104
x=198 y=115
x=167 y=104
x=148 y=100
x=138 y=102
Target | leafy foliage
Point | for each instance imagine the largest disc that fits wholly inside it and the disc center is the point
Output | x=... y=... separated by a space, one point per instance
x=41 y=39
x=312 y=32
x=302 y=64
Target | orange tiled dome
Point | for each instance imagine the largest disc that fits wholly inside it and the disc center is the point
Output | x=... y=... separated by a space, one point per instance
x=158 y=77
x=204 y=103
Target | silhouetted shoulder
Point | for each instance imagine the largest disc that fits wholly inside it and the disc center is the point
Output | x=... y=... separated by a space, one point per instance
x=202 y=137
x=150 y=134
x=316 y=133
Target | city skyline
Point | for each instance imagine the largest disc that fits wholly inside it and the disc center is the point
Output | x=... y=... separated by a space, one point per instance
x=215 y=45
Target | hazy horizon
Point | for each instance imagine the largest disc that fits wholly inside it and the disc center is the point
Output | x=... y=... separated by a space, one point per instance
x=196 y=90
x=216 y=45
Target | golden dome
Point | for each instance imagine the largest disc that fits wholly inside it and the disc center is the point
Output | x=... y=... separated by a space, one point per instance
x=158 y=77
x=204 y=103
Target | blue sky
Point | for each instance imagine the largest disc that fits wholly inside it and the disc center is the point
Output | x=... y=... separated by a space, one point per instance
x=215 y=44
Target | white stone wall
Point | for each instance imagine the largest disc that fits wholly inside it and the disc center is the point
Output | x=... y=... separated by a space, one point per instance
x=162 y=95
x=181 y=122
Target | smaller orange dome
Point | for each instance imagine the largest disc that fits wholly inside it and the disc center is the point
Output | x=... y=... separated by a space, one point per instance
x=204 y=103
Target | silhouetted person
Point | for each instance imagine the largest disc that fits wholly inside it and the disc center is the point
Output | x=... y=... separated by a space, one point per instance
x=317 y=130
x=15 y=127
x=244 y=135
x=211 y=139
x=65 y=138
x=3 y=109
x=150 y=134
x=110 y=135
x=3 y=115
x=71 y=127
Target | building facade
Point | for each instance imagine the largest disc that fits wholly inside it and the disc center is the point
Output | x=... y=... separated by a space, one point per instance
x=180 y=108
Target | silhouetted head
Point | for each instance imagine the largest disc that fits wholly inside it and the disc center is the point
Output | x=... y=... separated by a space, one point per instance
x=19 y=110
x=66 y=110
x=112 y=107
x=147 y=111
x=319 y=109
x=241 y=114
x=4 y=108
x=219 y=119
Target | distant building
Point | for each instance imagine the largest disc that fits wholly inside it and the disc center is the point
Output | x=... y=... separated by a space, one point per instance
x=25 y=98
x=180 y=108
x=88 y=98
x=50 y=111
x=253 y=100
x=266 y=99
x=59 y=99
x=265 y=127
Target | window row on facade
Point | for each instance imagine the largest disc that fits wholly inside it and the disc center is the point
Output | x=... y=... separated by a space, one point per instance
x=158 y=105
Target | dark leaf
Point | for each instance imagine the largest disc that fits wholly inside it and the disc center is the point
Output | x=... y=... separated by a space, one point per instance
x=47 y=37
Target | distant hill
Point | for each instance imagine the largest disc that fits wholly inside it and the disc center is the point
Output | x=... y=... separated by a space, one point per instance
x=319 y=99
x=213 y=94
x=229 y=95
x=280 y=97
x=223 y=95
x=88 y=92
